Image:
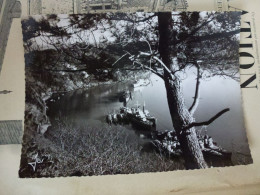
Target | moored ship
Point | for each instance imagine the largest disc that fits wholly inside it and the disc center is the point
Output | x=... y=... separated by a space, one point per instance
x=140 y=118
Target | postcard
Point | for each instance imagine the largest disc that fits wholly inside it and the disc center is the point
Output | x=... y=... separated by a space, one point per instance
x=124 y=93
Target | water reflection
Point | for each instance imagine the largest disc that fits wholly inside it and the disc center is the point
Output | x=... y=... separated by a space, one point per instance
x=86 y=106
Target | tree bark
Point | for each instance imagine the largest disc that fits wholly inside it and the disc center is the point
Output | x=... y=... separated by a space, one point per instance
x=180 y=115
x=180 y=118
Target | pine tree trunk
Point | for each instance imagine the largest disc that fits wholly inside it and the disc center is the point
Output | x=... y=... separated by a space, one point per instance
x=179 y=113
x=181 y=118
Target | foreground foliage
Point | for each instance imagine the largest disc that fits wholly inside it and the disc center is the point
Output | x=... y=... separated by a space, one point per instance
x=95 y=151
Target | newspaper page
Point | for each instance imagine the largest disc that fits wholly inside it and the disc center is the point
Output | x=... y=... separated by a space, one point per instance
x=246 y=177
x=8 y=10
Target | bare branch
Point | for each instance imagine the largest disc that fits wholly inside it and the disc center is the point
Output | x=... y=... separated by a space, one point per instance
x=161 y=62
x=150 y=52
x=158 y=60
x=120 y=58
x=148 y=68
x=206 y=123
x=195 y=103
x=132 y=57
x=94 y=38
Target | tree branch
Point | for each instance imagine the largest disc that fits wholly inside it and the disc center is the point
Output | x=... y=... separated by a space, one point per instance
x=94 y=38
x=213 y=36
x=201 y=26
x=206 y=123
x=120 y=58
x=194 y=31
x=148 y=68
x=150 y=52
x=158 y=60
x=195 y=103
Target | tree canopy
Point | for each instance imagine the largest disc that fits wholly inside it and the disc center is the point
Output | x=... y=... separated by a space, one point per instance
x=95 y=41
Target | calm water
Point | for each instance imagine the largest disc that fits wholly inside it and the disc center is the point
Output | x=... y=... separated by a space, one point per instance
x=92 y=105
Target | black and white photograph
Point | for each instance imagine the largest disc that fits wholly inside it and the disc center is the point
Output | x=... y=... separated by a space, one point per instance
x=127 y=93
